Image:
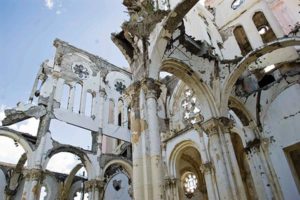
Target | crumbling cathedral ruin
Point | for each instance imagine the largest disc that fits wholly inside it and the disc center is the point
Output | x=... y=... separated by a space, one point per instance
x=208 y=110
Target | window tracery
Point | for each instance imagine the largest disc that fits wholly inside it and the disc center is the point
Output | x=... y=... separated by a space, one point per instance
x=190 y=106
x=190 y=184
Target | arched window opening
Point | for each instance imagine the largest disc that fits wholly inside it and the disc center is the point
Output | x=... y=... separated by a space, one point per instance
x=263 y=27
x=64 y=162
x=120 y=113
x=89 y=104
x=111 y=111
x=77 y=98
x=64 y=101
x=242 y=40
x=266 y=80
x=236 y=4
x=129 y=117
x=243 y=166
x=293 y=156
x=120 y=119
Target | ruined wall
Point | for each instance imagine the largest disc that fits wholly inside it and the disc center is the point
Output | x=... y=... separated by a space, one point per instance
x=281 y=125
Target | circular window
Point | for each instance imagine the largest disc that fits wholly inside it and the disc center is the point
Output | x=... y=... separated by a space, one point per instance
x=190 y=184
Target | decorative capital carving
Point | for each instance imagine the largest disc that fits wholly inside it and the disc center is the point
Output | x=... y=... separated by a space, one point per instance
x=253 y=146
x=34 y=174
x=206 y=167
x=170 y=181
x=102 y=92
x=132 y=94
x=226 y=123
x=94 y=184
x=213 y=125
x=151 y=88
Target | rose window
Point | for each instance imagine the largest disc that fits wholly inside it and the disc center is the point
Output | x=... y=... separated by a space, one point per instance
x=190 y=184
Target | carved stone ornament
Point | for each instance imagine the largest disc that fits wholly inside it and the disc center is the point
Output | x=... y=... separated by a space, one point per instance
x=80 y=70
x=206 y=167
x=94 y=185
x=120 y=87
x=34 y=174
x=151 y=88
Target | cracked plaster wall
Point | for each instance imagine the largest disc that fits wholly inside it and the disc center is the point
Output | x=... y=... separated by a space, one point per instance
x=281 y=124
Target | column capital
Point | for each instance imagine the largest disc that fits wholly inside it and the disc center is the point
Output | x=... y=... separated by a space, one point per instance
x=151 y=87
x=206 y=167
x=132 y=94
x=102 y=92
x=170 y=180
x=213 y=125
x=34 y=174
x=94 y=184
x=225 y=123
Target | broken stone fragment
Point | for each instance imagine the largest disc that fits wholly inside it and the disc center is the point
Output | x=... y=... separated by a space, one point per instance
x=22 y=112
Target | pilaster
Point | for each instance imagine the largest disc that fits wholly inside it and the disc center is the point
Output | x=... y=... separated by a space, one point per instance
x=95 y=188
x=33 y=182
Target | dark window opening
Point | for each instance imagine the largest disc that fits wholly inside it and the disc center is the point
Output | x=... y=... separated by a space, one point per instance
x=293 y=157
x=128 y=116
x=242 y=40
x=263 y=27
x=120 y=119
x=266 y=80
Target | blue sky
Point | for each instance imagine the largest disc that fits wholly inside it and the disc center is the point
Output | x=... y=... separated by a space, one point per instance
x=28 y=28
x=27 y=31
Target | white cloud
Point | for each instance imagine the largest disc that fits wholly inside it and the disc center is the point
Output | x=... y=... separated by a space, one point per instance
x=9 y=152
x=49 y=4
x=64 y=162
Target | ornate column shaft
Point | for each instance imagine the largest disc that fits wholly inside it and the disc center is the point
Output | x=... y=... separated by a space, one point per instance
x=152 y=91
x=32 y=186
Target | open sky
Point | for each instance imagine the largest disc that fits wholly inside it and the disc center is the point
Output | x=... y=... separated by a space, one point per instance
x=28 y=28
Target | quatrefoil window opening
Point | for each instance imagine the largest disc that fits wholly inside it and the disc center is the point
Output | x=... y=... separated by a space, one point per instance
x=81 y=71
x=189 y=104
x=120 y=87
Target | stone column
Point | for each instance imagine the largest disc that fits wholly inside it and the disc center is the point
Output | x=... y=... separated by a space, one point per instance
x=152 y=91
x=265 y=183
x=95 y=188
x=132 y=94
x=32 y=186
x=171 y=191
x=208 y=172
x=226 y=125
x=207 y=167
x=217 y=156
